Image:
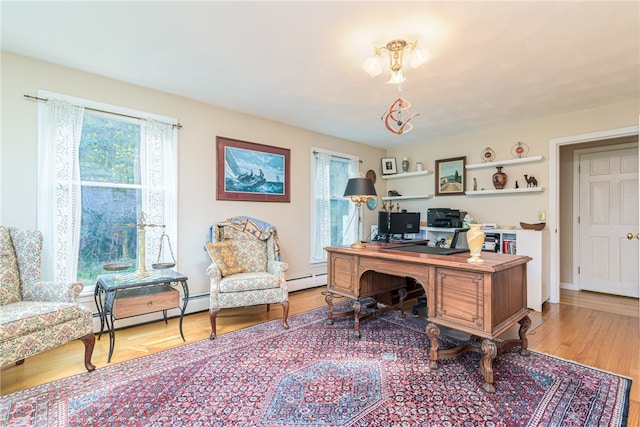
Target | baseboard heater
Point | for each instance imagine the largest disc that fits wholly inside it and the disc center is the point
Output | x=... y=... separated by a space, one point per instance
x=306 y=281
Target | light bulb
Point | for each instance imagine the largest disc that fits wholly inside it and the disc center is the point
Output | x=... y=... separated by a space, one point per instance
x=419 y=57
x=397 y=78
x=372 y=66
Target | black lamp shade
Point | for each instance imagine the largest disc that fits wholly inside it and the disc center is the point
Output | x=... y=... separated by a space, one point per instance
x=360 y=187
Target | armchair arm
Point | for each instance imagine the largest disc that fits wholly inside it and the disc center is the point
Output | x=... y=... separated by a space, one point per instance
x=215 y=275
x=51 y=291
x=277 y=267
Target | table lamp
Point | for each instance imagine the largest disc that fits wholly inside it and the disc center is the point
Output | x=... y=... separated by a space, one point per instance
x=359 y=190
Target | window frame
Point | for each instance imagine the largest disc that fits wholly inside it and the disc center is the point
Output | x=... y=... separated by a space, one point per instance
x=351 y=234
x=170 y=161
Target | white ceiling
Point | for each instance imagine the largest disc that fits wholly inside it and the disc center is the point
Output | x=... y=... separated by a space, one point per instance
x=298 y=63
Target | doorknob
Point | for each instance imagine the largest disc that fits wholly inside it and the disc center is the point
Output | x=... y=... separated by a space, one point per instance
x=630 y=236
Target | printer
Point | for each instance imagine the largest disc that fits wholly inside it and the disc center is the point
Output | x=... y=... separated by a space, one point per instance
x=445 y=217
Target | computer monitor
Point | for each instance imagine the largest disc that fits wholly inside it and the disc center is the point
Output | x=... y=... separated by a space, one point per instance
x=383 y=223
x=404 y=223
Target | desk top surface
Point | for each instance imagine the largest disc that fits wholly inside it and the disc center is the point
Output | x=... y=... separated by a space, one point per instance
x=492 y=262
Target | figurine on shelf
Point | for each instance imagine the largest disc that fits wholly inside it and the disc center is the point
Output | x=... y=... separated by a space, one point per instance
x=475 y=184
x=531 y=181
x=517 y=186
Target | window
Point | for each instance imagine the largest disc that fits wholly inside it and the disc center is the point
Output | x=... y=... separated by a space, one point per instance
x=100 y=170
x=333 y=215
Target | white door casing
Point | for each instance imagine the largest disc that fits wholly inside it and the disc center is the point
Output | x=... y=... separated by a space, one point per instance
x=554 y=194
x=608 y=201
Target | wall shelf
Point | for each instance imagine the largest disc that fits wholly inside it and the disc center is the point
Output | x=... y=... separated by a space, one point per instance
x=415 y=196
x=407 y=174
x=504 y=162
x=505 y=191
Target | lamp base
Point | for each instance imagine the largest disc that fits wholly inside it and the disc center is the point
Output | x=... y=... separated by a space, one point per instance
x=358 y=246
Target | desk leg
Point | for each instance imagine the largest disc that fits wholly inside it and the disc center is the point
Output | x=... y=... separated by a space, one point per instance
x=489 y=352
x=328 y=297
x=402 y=293
x=433 y=332
x=525 y=324
x=356 y=315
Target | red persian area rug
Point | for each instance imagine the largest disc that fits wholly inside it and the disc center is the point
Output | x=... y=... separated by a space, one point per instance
x=319 y=375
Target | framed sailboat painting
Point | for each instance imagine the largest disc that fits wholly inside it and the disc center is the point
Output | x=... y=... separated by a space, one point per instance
x=252 y=172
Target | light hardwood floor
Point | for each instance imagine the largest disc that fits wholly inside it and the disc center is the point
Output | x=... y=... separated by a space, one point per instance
x=592 y=329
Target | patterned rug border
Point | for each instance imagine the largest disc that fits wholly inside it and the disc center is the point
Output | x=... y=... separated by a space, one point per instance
x=113 y=376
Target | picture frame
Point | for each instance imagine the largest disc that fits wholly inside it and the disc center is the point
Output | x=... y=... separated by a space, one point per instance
x=451 y=176
x=389 y=166
x=247 y=171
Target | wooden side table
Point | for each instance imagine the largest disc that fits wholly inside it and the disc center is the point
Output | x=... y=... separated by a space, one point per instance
x=118 y=296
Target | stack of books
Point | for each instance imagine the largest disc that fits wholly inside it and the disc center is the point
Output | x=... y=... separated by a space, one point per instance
x=491 y=243
x=509 y=247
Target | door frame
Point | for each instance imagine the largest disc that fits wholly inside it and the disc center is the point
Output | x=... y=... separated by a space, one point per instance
x=554 y=195
x=575 y=277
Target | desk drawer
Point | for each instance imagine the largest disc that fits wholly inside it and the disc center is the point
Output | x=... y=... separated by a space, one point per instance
x=143 y=301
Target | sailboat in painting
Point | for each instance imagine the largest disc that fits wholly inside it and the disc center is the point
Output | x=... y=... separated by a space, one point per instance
x=239 y=179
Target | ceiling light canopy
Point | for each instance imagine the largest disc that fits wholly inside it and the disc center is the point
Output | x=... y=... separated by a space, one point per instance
x=396 y=50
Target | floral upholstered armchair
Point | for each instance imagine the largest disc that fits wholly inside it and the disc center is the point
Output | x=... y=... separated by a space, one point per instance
x=35 y=315
x=245 y=267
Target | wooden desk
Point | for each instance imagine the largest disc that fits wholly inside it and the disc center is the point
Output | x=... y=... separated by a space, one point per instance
x=483 y=300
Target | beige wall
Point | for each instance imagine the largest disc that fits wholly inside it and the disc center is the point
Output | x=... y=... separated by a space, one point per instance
x=198 y=207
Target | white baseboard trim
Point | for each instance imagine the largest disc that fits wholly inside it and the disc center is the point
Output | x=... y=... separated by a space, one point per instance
x=569 y=286
x=305 y=282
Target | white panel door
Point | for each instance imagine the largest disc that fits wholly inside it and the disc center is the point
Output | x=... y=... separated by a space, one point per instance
x=608 y=211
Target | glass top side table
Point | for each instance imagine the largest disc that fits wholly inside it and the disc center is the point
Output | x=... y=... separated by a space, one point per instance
x=122 y=295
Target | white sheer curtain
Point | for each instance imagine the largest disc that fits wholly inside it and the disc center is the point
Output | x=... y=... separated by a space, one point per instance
x=59 y=195
x=321 y=234
x=331 y=171
x=158 y=165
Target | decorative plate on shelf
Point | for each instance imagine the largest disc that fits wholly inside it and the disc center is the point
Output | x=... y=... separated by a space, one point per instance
x=371 y=175
x=519 y=150
x=488 y=155
x=372 y=203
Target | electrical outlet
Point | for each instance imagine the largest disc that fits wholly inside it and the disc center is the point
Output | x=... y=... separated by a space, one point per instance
x=542 y=216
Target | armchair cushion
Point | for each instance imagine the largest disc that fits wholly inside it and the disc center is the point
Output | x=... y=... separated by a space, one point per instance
x=252 y=281
x=225 y=257
x=9 y=275
x=27 y=317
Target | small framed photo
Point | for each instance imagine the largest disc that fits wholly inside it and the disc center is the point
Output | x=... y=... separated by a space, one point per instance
x=389 y=166
x=450 y=176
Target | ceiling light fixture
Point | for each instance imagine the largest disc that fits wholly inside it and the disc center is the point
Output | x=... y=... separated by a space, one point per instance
x=393 y=119
x=396 y=50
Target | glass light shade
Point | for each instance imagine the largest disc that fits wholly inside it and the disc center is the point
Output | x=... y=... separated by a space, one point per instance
x=397 y=78
x=372 y=66
x=419 y=57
